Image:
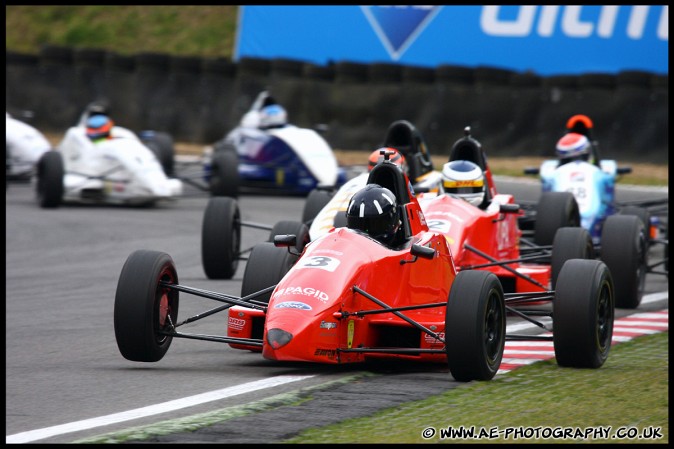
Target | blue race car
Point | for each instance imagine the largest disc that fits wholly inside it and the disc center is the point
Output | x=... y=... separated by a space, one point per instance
x=267 y=154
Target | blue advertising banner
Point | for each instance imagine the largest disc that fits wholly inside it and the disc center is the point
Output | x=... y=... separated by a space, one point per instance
x=546 y=40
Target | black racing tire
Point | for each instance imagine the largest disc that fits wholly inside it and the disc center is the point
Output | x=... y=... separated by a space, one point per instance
x=267 y=264
x=624 y=250
x=221 y=238
x=475 y=325
x=300 y=230
x=315 y=202
x=666 y=249
x=340 y=219
x=161 y=144
x=50 y=173
x=583 y=314
x=224 y=179
x=643 y=214
x=144 y=308
x=554 y=210
x=569 y=243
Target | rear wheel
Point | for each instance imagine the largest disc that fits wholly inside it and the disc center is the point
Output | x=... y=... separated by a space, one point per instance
x=221 y=238
x=161 y=144
x=300 y=230
x=624 y=251
x=267 y=264
x=475 y=326
x=316 y=201
x=583 y=314
x=224 y=179
x=144 y=308
x=50 y=173
x=554 y=210
x=643 y=214
x=569 y=243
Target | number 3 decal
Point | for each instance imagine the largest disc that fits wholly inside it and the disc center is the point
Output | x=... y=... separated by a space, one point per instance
x=322 y=262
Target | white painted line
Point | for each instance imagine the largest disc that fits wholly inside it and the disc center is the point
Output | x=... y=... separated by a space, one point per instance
x=39 y=434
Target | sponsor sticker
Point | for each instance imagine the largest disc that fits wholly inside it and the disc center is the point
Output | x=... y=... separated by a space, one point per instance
x=303 y=291
x=292 y=305
x=236 y=323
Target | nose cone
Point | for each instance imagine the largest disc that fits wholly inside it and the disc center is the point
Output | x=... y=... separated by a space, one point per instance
x=278 y=338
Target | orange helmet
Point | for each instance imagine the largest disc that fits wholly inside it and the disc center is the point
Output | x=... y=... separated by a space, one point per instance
x=390 y=154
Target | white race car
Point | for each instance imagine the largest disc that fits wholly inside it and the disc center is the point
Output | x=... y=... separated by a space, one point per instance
x=25 y=146
x=120 y=170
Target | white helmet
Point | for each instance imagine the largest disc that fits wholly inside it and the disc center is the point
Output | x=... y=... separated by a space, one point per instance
x=273 y=116
x=464 y=179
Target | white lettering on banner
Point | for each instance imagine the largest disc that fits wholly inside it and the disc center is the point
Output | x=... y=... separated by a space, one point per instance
x=571 y=24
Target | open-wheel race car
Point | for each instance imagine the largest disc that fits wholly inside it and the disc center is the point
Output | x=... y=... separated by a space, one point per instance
x=580 y=172
x=116 y=167
x=265 y=153
x=349 y=297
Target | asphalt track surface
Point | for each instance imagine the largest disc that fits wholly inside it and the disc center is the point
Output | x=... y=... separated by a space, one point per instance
x=66 y=380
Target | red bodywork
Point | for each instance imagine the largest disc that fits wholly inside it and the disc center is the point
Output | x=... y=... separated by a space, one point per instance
x=312 y=317
x=490 y=232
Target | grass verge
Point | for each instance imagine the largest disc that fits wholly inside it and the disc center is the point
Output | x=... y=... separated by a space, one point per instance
x=628 y=395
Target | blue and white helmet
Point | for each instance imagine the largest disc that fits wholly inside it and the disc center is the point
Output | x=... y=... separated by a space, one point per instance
x=465 y=180
x=573 y=146
x=273 y=116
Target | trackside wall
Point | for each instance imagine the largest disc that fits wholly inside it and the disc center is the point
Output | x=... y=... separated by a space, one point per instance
x=198 y=100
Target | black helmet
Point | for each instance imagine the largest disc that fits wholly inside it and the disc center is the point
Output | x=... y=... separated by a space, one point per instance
x=373 y=210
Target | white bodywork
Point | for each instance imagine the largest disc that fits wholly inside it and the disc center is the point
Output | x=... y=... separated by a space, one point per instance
x=121 y=170
x=25 y=146
x=312 y=150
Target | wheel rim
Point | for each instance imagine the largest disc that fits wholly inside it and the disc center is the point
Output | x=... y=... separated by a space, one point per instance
x=493 y=329
x=164 y=311
x=604 y=318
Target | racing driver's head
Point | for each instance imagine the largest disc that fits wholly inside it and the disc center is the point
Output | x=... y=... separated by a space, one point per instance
x=373 y=210
x=465 y=180
x=390 y=154
x=99 y=127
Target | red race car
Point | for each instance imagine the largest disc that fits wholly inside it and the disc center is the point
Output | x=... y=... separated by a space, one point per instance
x=370 y=291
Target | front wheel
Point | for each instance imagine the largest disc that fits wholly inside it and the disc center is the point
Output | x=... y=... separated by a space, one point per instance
x=221 y=238
x=475 y=326
x=583 y=314
x=145 y=309
x=554 y=210
x=50 y=173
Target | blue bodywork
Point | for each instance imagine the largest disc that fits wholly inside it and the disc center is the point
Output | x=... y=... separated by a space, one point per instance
x=593 y=187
